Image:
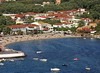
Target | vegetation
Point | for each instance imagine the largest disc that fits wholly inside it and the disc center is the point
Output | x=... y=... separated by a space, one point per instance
x=4 y=29
x=6 y=20
x=98 y=27
x=81 y=23
x=22 y=6
x=51 y=21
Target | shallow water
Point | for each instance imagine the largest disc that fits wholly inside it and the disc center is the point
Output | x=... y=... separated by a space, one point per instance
x=58 y=52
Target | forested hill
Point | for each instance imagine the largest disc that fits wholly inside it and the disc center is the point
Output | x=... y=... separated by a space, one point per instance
x=21 y=6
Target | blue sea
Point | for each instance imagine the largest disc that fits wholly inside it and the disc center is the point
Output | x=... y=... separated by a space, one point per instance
x=57 y=52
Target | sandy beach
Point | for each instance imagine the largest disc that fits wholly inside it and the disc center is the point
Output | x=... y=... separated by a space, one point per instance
x=11 y=39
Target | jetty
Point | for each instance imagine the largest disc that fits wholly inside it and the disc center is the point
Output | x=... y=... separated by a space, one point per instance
x=10 y=53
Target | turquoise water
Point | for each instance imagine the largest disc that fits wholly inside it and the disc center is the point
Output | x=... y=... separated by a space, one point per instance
x=58 y=52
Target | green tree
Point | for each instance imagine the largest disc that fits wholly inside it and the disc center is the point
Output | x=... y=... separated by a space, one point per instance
x=81 y=23
x=73 y=29
x=6 y=30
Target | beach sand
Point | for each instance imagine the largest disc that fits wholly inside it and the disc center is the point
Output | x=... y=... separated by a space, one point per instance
x=11 y=39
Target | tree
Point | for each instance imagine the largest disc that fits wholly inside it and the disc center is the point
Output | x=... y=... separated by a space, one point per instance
x=50 y=21
x=98 y=27
x=9 y=21
x=1 y=28
x=19 y=32
x=81 y=23
x=85 y=15
x=2 y=20
x=6 y=30
x=29 y=19
x=73 y=29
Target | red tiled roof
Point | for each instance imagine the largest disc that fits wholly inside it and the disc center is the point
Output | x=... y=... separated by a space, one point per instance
x=97 y=20
x=21 y=26
x=42 y=16
x=62 y=15
x=86 y=19
x=2 y=0
x=66 y=23
x=58 y=24
x=1 y=47
x=30 y=13
x=74 y=10
x=19 y=15
x=45 y=29
x=62 y=23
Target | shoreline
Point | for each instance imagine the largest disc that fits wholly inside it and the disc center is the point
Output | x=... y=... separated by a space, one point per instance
x=12 y=39
x=21 y=38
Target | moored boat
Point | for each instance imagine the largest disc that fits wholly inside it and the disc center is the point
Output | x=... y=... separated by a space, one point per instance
x=44 y=60
x=88 y=68
x=38 y=52
x=55 y=69
x=1 y=64
x=76 y=59
x=35 y=58
x=64 y=65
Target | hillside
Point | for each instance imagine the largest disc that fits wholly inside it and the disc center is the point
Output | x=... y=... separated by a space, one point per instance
x=21 y=6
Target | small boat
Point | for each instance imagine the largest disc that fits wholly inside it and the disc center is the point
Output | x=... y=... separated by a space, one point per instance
x=88 y=68
x=64 y=65
x=1 y=64
x=38 y=52
x=91 y=38
x=12 y=60
x=35 y=58
x=55 y=69
x=44 y=60
x=1 y=60
x=76 y=59
x=84 y=38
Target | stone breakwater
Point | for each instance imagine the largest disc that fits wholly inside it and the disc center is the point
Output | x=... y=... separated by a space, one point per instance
x=11 y=39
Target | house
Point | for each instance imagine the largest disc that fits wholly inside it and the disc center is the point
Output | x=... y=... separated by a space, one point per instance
x=24 y=28
x=19 y=18
x=79 y=11
x=93 y=24
x=41 y=14
x=84 y=29
x=40 y=17
x=65 y=25
x=29 y=14
x=6 y=0
x=44 y=26
x=86 y=20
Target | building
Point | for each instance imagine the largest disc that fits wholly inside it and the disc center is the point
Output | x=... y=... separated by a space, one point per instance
x=43 y=26
x=24 y=28
x=58 y=2
x=6 y=0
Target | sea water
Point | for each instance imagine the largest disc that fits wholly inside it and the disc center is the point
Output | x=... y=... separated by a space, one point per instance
x=57 y=52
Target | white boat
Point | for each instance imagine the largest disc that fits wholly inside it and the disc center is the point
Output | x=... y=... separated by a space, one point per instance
x=91 y=38
x=84 y=38
x=1 y=64
x=39 y=52
x=35 y=58
x=88 y=68
x=1 y=60
x=55 y=69
x=44 y=60
x=12 y=60
x=12 y=55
